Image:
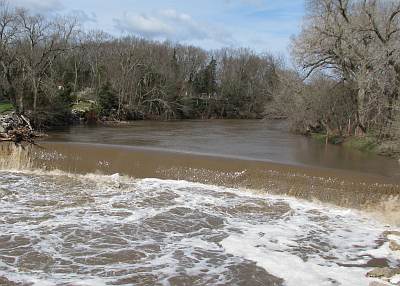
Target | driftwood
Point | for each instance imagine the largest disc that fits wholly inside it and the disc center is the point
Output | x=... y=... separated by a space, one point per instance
x=21 y=134
x=17 y=128
x=28 y=123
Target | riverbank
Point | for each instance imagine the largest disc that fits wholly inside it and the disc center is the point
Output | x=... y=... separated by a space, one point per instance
x=366 y=143
x=85 y=113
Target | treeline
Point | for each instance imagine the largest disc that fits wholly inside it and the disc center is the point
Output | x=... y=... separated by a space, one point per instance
x=349 y=84
x=50 y=67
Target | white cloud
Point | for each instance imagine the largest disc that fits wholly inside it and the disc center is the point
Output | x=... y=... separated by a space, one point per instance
x=144 y=25
x=257 y=3
x=84 y=17
x=39 y=6
x=174 y=15
x=171 y=25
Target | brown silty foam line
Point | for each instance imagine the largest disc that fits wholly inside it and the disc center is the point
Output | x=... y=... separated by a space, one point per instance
x=342 y=188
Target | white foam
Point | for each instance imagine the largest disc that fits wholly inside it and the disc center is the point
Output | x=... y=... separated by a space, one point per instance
x=292 y=268
x=395 y=238
x=395 y=279
x=305 y=246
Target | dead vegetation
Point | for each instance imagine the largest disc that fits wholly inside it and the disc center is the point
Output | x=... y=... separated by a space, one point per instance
x=17 y=128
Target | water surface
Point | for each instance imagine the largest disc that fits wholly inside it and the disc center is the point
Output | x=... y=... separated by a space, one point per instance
x=247 y=139
x=61 y=229
x=193 y=203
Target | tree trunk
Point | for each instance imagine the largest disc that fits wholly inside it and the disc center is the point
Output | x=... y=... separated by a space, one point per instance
x=76 y=76
x=361 y=115
x=35 y=95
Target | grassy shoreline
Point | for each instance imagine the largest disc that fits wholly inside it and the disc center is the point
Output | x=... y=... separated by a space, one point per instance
x=5 y=107
x=366 y=144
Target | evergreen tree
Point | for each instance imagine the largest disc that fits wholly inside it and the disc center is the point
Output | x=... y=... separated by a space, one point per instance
x=206 y=81
x=211 y=77
x=107 y=100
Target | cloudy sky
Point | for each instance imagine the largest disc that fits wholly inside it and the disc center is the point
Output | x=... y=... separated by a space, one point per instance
x=263 y=25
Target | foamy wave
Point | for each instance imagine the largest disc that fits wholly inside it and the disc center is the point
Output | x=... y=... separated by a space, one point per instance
x=100 y=230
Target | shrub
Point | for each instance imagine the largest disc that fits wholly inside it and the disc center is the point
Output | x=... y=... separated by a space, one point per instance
x=107 y=100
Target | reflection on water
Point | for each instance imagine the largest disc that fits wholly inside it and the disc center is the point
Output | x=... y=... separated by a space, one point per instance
x=109 y=230
x=257 y=140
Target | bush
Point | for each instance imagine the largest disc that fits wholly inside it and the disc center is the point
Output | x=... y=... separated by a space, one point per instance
x=55 y=112
x=107 y=100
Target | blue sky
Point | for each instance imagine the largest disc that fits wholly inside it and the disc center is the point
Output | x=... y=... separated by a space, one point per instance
x=262 y=25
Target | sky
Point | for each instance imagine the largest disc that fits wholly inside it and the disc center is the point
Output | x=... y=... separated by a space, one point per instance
x=262 y=25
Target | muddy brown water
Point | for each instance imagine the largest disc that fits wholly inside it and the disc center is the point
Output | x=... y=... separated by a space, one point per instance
x=193 y=203
x=243 y=139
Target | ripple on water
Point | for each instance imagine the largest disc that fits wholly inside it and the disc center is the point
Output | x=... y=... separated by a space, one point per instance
x=94 y=230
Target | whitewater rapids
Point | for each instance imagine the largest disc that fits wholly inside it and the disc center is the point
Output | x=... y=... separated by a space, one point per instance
x=62 y=229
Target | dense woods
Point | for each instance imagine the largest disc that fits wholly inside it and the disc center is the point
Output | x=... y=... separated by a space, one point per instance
x=346 y=82
x=50 y=67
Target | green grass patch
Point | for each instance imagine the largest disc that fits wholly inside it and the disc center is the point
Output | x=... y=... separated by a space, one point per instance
x=319 y=137
x=365 y=144
x=322 y=138
x=6 y=107
x=83 y=106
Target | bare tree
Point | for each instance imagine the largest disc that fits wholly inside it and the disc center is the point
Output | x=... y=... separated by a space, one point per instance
x=358 y=42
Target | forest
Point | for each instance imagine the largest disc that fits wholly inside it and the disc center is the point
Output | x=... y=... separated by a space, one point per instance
x=52 y=69
x=344 y=81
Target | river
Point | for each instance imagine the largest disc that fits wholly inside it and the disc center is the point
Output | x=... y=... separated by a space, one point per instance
x=251 y=139
x=194 y=203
